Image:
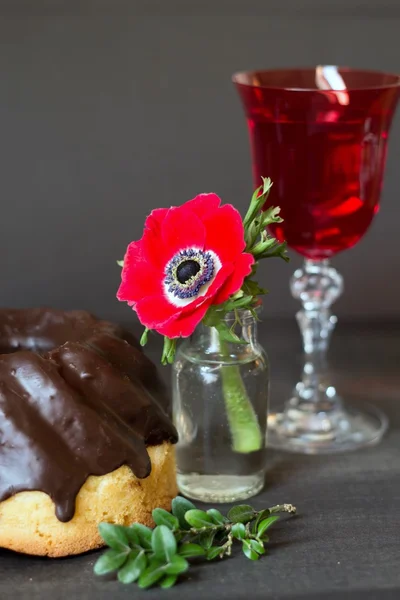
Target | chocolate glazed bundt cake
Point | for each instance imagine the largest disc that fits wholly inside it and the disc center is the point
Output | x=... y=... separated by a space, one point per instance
x=84 y=434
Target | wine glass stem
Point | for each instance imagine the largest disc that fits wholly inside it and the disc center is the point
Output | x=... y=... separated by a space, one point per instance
x=314 y=419
x=317 y=285
x=316 y=328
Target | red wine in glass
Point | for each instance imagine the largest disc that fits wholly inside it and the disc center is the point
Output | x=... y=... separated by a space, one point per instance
x=328 y=194
x=321 y=136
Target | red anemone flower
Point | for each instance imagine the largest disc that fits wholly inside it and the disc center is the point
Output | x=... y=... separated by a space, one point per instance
x=189 y=258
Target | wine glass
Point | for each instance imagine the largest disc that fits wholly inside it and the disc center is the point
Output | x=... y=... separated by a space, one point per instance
x=321 y=135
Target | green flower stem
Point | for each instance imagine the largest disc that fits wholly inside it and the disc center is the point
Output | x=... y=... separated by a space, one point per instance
x=243 y=422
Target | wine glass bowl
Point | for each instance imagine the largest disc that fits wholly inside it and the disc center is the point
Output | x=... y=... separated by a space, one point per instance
x=321 y=135
x=323 y=149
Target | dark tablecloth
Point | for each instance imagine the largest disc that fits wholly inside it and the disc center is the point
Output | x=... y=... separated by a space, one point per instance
x=345 y=542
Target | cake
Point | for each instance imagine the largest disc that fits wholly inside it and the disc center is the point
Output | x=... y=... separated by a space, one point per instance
x=84 y=432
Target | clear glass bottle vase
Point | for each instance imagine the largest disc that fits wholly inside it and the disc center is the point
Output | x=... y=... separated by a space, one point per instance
x=220 y=404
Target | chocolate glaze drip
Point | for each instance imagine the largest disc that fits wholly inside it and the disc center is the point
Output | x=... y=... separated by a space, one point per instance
x=85 y=408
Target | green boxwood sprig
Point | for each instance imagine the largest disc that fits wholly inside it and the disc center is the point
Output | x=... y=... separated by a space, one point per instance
x=160 y=556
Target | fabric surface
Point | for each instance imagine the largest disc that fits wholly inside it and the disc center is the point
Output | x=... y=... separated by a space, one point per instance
x=344 y=543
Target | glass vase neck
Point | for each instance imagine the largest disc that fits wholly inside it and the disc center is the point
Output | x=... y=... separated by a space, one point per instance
x=243 y=324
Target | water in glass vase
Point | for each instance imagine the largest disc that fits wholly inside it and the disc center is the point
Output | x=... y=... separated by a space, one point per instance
x=220 y=402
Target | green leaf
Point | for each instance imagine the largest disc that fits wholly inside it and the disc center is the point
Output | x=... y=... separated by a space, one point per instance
x=213 y=552
x=206 y=538
x=243 y=302
x=261 y=248
x=216 y=516
x=132 y=536
x=212 y=317
x=257 y=546
x=251 y=234
x=145 y=337
x=266 y=524
x=243 y=513
x=110 y=561
x=256 y=203
x=114 y=536
x=176 y=565
x=168 y=581
x=133 y=568
x=228 y=335
x=143 y=533
x=239 y=531
x=254 y=314
x=248 y=551
x=162 y=517
x=237 y=295
x=263 y=514
x=168 y=353
x=271 y=215
x=180 y=506
x=267 y=185
x=188 y=550
x=163 y=543
x=279 y=253
x=252 y=288
x=198 y=518
x=120 y=263
x=152 y=574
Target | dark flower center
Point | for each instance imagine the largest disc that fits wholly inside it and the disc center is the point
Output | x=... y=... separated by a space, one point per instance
x=186 y=270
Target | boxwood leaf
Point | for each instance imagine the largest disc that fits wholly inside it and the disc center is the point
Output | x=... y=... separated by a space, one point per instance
x=257 y=546
x=243 y=513
x=198 y=518
x=168 y=581
x=144 y=534
x=134 y=566
x=216 y=516
x=163 y=543
x=110 y=561
x=213 y=552
x=266 y=524
x=132 y=536
x=162 y=517
x=114 y=536
x=180 y=506
x=248 y=551
x=176 y=565
x=190 y=550
x=152 y=574
x=206 y=538
x=264 y=514
x=238 y=531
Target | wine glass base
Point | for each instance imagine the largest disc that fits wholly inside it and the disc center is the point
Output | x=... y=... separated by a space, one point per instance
x=355 y=428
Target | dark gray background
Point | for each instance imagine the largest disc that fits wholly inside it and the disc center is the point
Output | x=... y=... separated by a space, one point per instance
x=108 y=109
